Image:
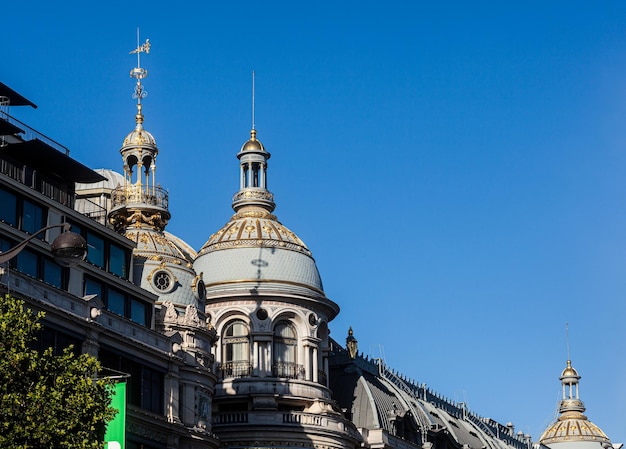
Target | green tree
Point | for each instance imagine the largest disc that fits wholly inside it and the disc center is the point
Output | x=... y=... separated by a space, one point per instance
x=46 y=400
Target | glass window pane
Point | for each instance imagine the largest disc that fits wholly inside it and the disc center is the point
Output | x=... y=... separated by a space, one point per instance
x=115 y=302
x=52 y=273
x=138 y=311
x=117 y=261
x=95 y=250
x=93 y=287
x=27 y=263
x=32 y=217
x=8 y=207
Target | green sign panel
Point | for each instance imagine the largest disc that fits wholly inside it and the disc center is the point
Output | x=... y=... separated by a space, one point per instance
x=115 y=435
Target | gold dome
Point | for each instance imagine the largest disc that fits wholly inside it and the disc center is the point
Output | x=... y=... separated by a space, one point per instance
x=254 y=228
x=253 y=145
x=139 y=137
x=573 y=426
x=569 y=371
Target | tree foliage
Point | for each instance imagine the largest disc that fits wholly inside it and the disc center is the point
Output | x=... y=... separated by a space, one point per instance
x=47 y=400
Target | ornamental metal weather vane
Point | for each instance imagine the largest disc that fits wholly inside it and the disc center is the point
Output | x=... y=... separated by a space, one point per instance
x=139 y=72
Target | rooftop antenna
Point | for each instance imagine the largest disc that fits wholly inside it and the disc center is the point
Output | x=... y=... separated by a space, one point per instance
x=567 y=339
x=253 y=100
x=138 y=72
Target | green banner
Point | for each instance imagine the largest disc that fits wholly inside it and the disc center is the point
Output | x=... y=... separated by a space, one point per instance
x=115 y=435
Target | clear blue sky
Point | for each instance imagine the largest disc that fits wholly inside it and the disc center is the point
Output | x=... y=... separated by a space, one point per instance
x=456 y=168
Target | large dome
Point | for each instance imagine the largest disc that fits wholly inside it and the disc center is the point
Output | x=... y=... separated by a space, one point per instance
x=255 y=247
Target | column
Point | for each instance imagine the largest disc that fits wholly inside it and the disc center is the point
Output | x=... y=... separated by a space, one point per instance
x=315 y=362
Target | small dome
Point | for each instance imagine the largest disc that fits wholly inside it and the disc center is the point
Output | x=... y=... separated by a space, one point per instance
x=252 y=146
x=569 y=372
x=139 y=137
x=163 y=265
x=113 y=180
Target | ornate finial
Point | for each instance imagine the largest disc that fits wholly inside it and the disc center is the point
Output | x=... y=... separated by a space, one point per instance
x=351 y=344
x=139 y=73
x=253 y=100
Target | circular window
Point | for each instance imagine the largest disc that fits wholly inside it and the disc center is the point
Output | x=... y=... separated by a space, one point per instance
x=162 y=281
x=312 y=319
x=261 y=314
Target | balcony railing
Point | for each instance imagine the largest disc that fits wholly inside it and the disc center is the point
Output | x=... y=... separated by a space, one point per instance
x=135 y=194
x=288 y=370
x=234 y=369
x=286 y=419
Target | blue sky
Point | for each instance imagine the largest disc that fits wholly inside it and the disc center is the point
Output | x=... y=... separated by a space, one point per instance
x=456 y=168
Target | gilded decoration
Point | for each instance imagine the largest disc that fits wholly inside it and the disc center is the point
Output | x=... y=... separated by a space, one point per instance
x=254 y=229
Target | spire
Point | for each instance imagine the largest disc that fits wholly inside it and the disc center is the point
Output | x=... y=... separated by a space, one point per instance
x=253 y=193
x=140 y=201
x=139 y=73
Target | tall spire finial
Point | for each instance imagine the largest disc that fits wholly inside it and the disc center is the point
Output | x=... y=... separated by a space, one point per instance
x=139 y=73
x=253 y=128
x=567 y=339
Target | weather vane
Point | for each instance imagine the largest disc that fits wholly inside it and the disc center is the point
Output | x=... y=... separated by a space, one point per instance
x=139 y=72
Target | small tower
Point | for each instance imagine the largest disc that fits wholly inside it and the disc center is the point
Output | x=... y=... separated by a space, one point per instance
x=572 y=429
x=140 y=202
x=163 y=265
x=266 y=301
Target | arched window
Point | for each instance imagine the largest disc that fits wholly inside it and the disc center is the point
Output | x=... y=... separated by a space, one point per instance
x=235 y=350
x=285 y=352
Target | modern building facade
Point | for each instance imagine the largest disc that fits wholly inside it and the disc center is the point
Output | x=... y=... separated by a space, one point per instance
x=224 y=347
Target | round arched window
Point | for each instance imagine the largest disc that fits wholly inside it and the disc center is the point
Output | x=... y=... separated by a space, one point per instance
x=235 y=350
x=285 y=351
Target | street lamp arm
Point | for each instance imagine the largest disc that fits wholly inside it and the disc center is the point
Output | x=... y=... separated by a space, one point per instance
x=10 y=254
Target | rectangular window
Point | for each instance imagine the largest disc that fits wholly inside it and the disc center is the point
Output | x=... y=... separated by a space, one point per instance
x=27 y=263
x=93 y=287
x=118 y=261
x=53 y=273
x=8 y=207
x=95 y=249
x=116 y=302
x=145 y=385
x=119 y=302
x=57 y=340
x=32 y=217
x=138 y=311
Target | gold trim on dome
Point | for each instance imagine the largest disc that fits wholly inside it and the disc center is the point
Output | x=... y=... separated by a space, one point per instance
x=254 y=214
x=256 y=281
x=254 y=229
x=263 y=243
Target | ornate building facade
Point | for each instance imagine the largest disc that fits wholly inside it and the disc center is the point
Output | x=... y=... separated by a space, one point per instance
x=225 y=347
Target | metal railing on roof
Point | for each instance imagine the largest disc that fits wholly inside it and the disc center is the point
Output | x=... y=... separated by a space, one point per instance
x=31 y=134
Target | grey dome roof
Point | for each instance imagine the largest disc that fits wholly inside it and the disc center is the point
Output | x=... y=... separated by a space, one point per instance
x=255 y=247
x=113 y=179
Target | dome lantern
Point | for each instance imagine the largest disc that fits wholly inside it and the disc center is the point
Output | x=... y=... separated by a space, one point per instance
x=140 y=201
